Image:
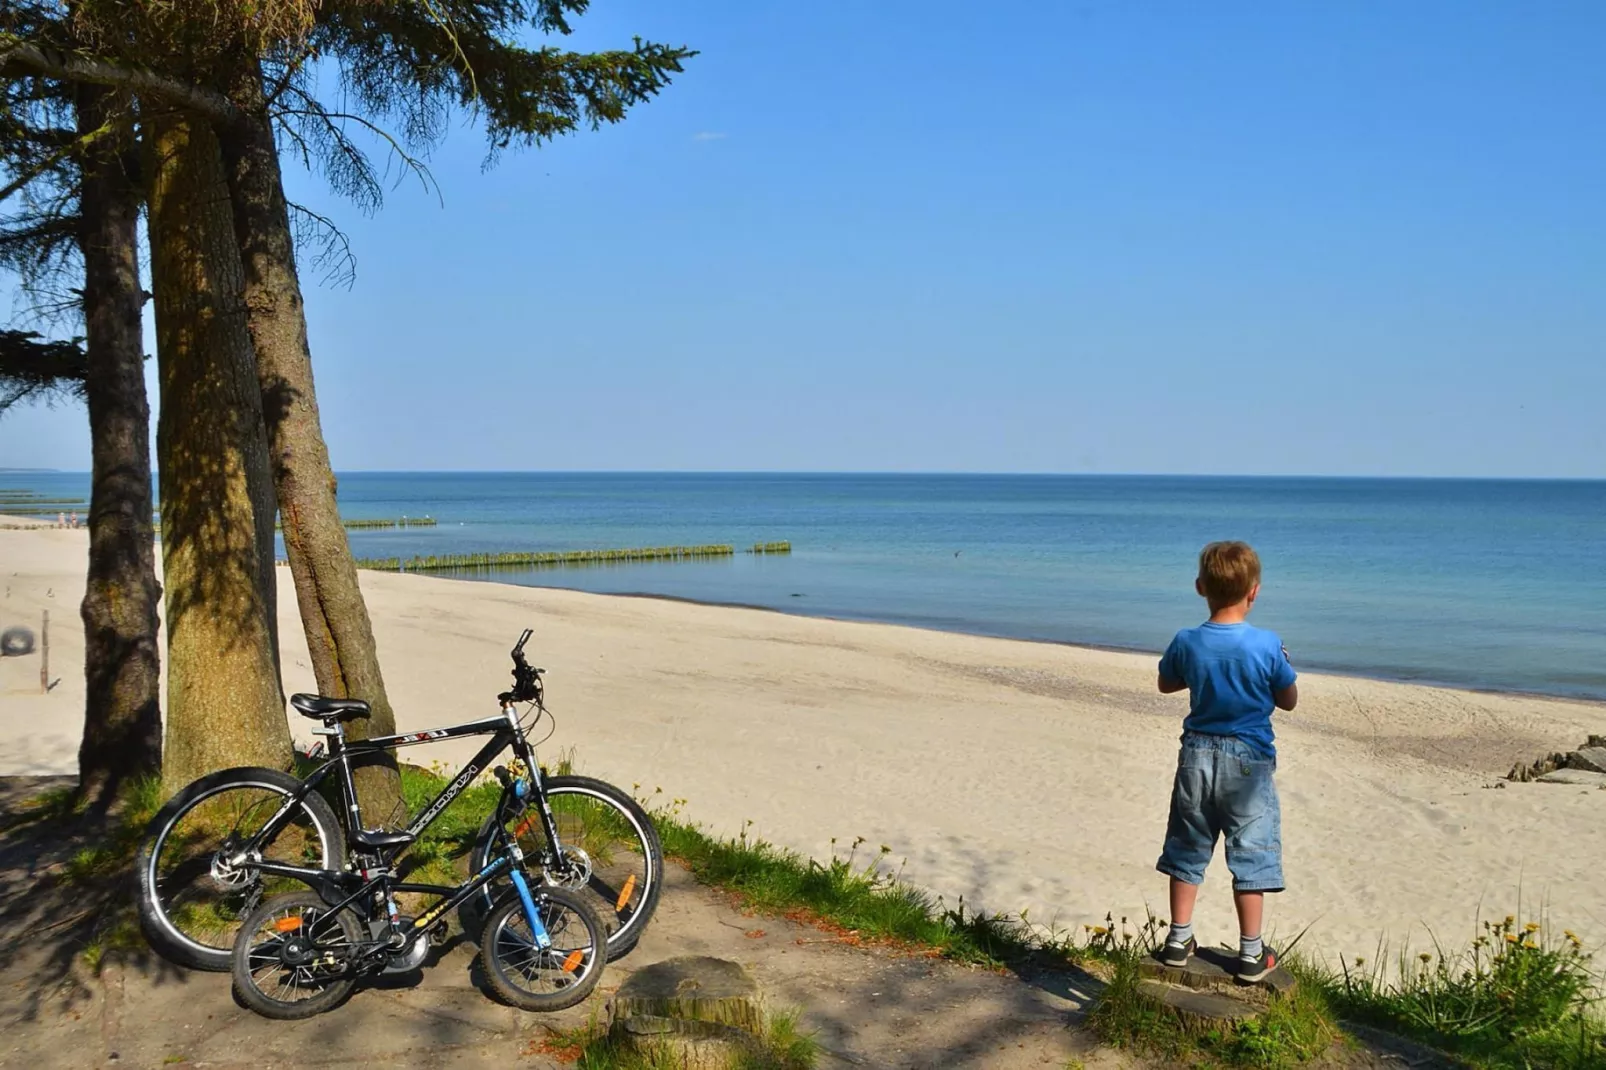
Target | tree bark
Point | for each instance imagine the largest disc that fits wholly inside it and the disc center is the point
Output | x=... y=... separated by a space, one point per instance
x=340 y=636
x=122 y=668
x=224 y=703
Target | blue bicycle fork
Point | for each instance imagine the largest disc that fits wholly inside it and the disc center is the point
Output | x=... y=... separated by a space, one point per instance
x=537 y=930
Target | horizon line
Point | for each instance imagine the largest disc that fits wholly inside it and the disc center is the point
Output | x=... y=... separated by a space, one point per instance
x=1042 y=474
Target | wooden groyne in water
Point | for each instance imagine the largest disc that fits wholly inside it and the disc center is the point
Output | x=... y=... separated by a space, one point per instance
x=400 y=522
x=563 y=558
x=361 y=525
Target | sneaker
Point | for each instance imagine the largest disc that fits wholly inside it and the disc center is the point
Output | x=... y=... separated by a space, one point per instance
x=1256 y=969
x=1176 y=956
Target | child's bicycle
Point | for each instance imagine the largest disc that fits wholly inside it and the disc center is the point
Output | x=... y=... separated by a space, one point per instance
x=300 y=954
x=235 y=838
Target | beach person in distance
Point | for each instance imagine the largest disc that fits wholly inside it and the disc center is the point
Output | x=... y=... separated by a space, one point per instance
x=1235 y=675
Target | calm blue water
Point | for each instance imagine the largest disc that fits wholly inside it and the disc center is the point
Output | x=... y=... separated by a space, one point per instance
x=1490 y=584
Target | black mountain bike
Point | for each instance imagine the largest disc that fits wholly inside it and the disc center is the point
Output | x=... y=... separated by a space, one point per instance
x=237 y=837
x=297 y=955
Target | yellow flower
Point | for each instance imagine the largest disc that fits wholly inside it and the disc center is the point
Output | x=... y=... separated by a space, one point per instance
x=1569 y=934
x=1099 y=930
x=1531 y=927
x=1511 y=938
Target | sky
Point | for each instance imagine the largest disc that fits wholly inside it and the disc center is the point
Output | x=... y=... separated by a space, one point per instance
x=1128 y=236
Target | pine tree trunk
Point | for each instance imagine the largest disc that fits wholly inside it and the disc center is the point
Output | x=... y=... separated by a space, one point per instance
x=122 y=712
x=224 y=703
x=340 y=636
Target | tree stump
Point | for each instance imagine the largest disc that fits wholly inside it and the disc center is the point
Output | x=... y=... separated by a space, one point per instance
x=1214 y=970
x=1197 y=1011
x=704 y=1013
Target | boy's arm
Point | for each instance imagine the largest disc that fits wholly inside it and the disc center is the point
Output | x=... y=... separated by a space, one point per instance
x=1285 y=692
x=1171 y=678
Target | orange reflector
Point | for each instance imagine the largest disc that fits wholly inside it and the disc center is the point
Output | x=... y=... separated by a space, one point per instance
x=624 y=896
x=287 y=925
x=523 y=827
x=572 y=963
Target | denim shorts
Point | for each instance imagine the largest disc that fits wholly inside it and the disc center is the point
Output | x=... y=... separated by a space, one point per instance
x=1224 y=788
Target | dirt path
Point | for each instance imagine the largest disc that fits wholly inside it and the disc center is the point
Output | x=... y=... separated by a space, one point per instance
x=869 y=1007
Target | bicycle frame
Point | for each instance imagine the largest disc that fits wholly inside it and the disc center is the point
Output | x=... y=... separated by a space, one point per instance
x=505 y=732
x=507 y=860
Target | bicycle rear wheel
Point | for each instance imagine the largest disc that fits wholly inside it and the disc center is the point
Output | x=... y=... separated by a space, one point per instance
x=292 y=957
x=191 y=903
x=614 y=861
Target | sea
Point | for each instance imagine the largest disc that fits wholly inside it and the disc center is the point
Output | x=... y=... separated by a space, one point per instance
x=1488 y=584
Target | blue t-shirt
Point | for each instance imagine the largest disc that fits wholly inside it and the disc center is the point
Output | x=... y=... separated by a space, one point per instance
x=1232 y=671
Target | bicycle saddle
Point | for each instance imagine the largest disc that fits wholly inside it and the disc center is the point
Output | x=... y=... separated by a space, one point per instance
x=317 y=706
x=380 y=840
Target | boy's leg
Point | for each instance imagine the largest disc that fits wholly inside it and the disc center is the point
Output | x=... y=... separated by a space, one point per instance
x=1183 y=896
x=1253 y=830
x=1190 y=840
x=1251 y=912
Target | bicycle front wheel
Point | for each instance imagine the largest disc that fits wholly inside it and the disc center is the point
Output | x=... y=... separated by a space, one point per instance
x=548 y=966
x=611 y=856
x=191 y=903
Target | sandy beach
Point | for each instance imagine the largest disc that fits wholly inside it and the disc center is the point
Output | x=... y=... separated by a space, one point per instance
x=1019 y=775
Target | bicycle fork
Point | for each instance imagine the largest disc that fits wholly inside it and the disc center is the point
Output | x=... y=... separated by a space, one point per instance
x=543 y=939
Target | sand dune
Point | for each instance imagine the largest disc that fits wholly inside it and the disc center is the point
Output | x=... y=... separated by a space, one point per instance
x=1019 y=775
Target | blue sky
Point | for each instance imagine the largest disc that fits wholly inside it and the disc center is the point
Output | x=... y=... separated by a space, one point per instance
x=1359 y=238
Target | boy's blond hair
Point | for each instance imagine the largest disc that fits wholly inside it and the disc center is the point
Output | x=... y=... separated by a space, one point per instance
x=1228 y=571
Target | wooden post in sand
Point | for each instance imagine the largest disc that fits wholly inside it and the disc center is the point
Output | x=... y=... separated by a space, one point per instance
x=44 y=655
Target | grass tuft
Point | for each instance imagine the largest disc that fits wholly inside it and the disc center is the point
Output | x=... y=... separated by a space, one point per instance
x=1519 y=995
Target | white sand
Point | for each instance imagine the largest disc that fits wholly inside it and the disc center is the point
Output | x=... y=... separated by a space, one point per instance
x=1016 y=774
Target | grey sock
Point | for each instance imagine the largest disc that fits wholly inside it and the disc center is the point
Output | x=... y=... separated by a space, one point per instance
x=1249 y=947
x=1180 y=934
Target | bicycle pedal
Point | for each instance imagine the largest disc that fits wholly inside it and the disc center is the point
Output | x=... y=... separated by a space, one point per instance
x=437 y=934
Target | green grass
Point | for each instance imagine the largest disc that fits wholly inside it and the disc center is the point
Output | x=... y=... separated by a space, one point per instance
x=1519 y=995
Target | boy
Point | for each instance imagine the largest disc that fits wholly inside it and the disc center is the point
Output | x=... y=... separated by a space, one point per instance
x=1234 y=674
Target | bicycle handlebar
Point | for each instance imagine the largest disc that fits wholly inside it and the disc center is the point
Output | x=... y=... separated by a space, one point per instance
x=526 y=678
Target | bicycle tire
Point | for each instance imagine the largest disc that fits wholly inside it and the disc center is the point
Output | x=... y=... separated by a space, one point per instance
x=623 y=918
x=249 y=962
x=581 y=955
x=166 y=935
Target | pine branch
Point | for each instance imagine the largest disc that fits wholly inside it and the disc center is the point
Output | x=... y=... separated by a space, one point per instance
x=17 y=54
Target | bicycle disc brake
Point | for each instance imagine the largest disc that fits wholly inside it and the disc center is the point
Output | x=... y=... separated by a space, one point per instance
x=573 y=870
